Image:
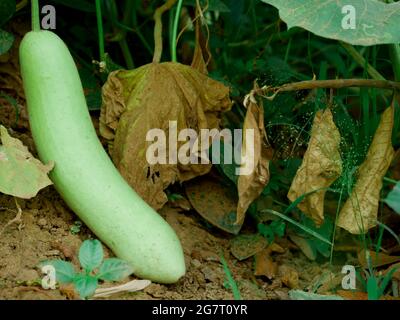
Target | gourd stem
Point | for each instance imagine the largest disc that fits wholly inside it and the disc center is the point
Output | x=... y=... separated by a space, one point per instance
x=35 y=15
x=100 y=31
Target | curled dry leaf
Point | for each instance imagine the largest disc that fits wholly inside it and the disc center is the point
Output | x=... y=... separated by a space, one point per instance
x=198 y=61
x=264 y=262
x=164 y=96
x=265 y=265
x=360 y=211
x=255 y=159
x=321 y=166
x=21 y=175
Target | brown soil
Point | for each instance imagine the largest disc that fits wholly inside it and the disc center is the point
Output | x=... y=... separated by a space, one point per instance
x=45 y=233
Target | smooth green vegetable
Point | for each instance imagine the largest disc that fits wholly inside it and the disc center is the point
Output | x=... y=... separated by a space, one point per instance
x=84 y=174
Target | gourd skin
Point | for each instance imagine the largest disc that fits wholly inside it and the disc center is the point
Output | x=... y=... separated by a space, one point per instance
x=84 y=174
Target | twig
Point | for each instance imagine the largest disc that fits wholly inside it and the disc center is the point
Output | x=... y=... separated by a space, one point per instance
x=158 y=29
x=327 y=84
x=17 y=219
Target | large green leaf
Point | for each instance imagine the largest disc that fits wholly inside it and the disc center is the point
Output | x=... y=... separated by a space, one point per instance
x=6 y=41
x=376 y=22
x=7 y=9
x=21 y=175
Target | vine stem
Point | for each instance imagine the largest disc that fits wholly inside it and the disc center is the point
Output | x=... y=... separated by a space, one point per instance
x=100 y=31
x=158 y=29
x=21 y=5
x=175 y=30
x=35 y=16
x=324 y=84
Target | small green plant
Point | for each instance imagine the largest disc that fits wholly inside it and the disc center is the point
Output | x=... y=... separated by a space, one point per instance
x=374 y=284
x=275 y=229
x=94 y=268
x=230 y=282
x=76 y=227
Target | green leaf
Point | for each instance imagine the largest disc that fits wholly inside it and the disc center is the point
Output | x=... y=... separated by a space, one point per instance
x=384 y=281
x=81 y=5
x=65 y=272
x=393 y=198
x=299 y=225
x=278 y=226
x=114 y=269
x=91 y=254
x=376 y=22
x=373 y=288
x=7 y=9
x=21 y=175
x=85 y=285
x=6 y=41
x=266 y=231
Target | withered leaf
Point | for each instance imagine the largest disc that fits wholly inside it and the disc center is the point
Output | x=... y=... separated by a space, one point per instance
x=247 y=245
x=198 y=61
x=360 y=211
x=321 y=166
x=265 y=265
x=214 y=201
x=289 y=276
x=367 y=257
x=304 y=245
x=21 y=175
x=134 y=102
x=255 y=159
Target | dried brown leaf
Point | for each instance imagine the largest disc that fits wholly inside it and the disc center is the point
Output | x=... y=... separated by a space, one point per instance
x=376 y=259
x=214 y=201
x=259 y=154
x=247 y=245
x=321 y=166
x=289 y=276
x=360 y=211
x=198 y=61
x=148 y=98
x=265 y=265
x=21 y=175
x=304 y=245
